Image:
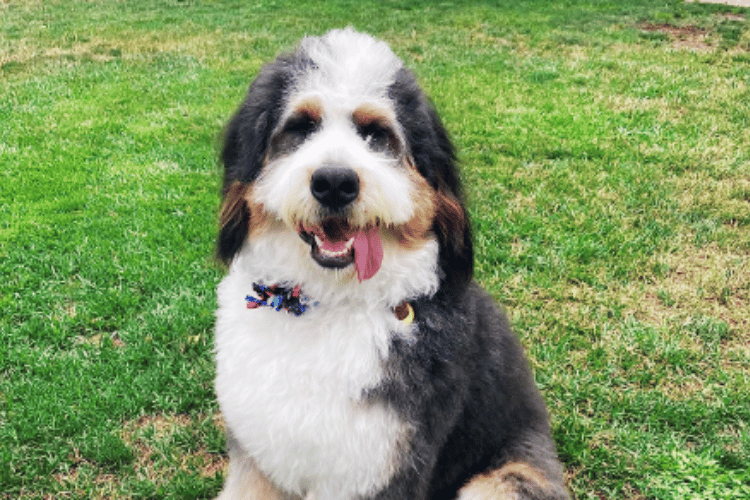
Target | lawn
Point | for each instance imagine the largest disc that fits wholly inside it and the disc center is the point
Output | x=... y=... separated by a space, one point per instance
x=605 y=147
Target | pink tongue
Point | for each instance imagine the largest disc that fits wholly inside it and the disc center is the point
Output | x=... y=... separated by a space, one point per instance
x=368 y=253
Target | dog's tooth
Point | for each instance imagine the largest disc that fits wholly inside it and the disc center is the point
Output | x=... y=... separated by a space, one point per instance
x=332 y=253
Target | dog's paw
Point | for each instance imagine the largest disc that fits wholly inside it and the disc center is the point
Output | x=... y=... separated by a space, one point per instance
x=513 y=481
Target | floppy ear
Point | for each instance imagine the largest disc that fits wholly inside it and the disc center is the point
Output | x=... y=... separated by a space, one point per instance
x=435 y=159
x=246 y=141
x=452 y=225
x=242 y=157
x=234 y=221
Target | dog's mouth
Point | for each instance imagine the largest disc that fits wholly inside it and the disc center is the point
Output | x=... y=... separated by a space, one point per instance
x=335 y=244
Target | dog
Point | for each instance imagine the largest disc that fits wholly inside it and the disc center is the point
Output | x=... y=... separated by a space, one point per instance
x=356 y=357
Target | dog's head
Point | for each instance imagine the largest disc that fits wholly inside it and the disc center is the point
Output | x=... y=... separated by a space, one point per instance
x=337 y=143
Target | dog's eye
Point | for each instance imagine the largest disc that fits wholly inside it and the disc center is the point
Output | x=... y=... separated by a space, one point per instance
x=301 y=126
x=294 y=133
x=378 y=137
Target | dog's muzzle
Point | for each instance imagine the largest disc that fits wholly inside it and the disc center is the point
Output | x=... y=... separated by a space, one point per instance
x=334 y=243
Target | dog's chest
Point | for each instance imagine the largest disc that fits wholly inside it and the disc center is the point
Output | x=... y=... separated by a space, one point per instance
x=291 y=390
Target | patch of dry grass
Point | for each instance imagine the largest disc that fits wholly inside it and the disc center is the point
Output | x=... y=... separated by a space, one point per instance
x=683 y=37
x=708 y=281
x=153 y=437
x=163 y=447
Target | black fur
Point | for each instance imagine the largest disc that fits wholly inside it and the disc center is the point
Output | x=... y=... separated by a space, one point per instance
x=467 y=389
x=247 y=139
x=435 y=158
x=463 y=384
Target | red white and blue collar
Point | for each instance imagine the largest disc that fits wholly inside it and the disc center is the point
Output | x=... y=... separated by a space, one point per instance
x=292 y=300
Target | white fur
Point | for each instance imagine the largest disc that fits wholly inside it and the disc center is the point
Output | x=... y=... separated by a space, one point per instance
x=352 y=70
x=386 y=189
x=291 y=388
x=350 y=66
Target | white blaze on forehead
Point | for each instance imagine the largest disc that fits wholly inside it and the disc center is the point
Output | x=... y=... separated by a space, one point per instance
x=349 y=66
x=344 y=89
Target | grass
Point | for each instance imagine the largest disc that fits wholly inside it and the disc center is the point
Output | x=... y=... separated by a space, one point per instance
x=605 y=149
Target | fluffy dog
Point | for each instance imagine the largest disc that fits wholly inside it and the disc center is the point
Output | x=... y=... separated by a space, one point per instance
x=356 y=358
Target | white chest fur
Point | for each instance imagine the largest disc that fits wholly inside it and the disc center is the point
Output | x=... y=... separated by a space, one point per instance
x=290 y=389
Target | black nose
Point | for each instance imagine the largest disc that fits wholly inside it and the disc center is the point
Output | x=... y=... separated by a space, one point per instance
x=334 y=187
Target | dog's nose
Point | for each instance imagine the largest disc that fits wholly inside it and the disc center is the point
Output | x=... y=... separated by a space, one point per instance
x=334 y=187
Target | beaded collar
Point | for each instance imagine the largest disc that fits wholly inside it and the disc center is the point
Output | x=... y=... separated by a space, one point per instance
x=292 y=300
x=279 y=297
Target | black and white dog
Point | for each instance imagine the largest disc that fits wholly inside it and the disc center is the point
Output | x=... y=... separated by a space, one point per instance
x=356 y=358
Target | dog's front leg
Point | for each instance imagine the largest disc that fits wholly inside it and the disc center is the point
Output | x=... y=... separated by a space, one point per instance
x=245 y=481
x=409 y=484
x=534 y=475
x=516 y=480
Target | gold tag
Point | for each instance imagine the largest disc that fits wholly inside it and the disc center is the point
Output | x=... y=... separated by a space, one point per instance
x=404 y=312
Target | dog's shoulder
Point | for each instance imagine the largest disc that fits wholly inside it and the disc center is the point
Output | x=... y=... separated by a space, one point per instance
x=463 y=376
x=465 y=328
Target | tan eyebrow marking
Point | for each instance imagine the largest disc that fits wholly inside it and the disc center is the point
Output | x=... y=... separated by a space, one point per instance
x=310 y=107
x=372 y=113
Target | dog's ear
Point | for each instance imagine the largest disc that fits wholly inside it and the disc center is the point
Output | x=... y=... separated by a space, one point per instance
x=434 y=156
x=242 y=156
x=246 y=141
x=452 y=222
x=248 y=134
x=452 y=227
x=234 y=222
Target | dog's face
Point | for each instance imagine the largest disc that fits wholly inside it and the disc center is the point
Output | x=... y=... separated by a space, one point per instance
x=337 y=172
x=337 y=145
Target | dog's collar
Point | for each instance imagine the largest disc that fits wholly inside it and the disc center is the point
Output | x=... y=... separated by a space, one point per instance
x=292 y=300
x=279 y=297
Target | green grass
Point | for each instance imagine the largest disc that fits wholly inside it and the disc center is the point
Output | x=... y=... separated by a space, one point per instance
x=606 y=151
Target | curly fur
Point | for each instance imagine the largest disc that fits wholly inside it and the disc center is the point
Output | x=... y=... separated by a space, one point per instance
x=347 y=401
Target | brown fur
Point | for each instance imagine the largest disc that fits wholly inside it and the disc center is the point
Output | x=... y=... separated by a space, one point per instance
x=417 y=230
x=234 y=206
x=514 y=480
